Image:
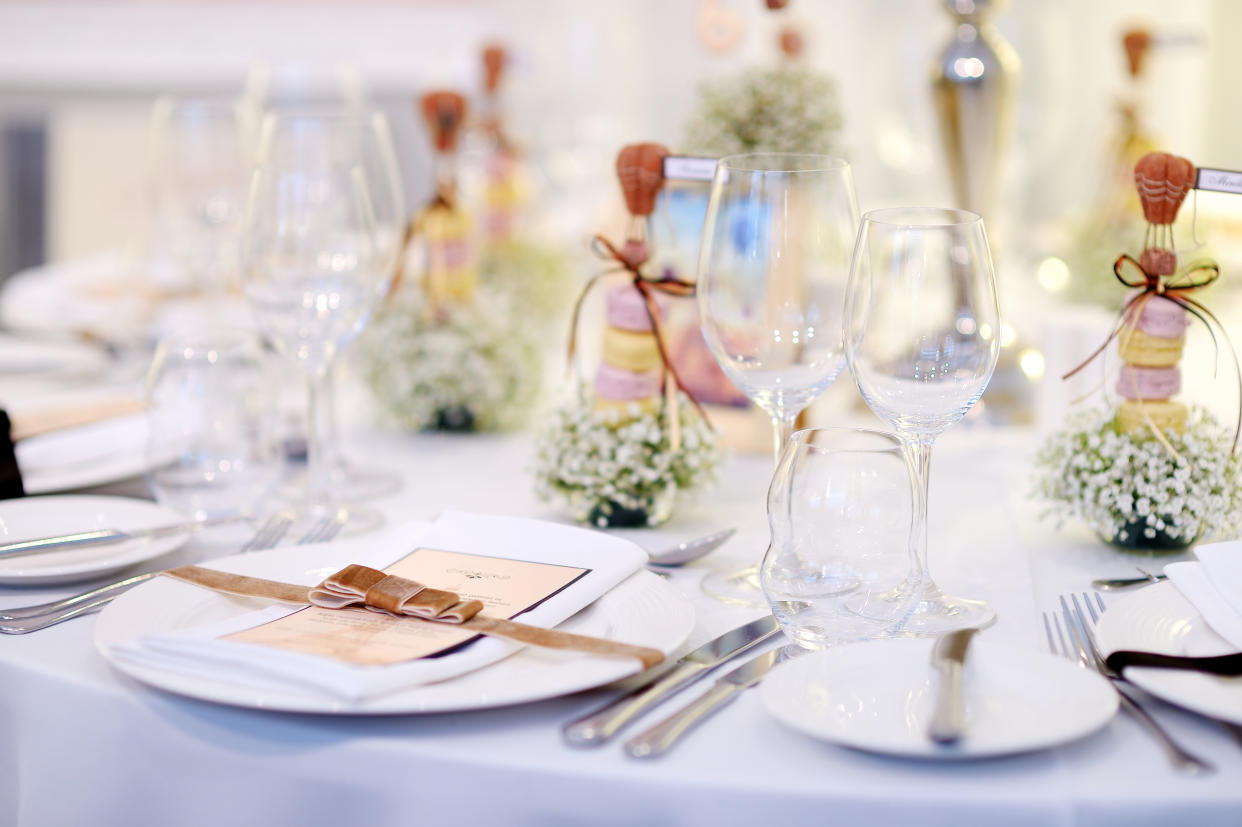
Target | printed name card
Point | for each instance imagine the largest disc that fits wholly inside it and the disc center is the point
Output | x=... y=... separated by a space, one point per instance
x=1219 y=180
x=367 y=638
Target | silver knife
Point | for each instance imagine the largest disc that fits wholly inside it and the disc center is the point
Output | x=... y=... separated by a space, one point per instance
x=657 y=740
x=948 y=655
x=105 y=536
x=600 y=725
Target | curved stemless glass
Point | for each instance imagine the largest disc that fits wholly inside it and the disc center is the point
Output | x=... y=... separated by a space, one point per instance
x=922 y=335
x=773 y=266
x=312 y=273
x=840 y=510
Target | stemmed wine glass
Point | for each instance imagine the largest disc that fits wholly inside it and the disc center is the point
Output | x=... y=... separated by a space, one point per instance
x=327 y=136
x=313 y=271
x=922 y=335
x=773 y=265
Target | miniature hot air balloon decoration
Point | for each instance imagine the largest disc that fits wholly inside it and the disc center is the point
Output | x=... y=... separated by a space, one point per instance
x=1150 y=473
x=621 y=452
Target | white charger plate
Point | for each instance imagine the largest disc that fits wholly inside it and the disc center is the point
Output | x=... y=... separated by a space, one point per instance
x=644 y=609
x=879 y=697
x=1158 y=618
x=32 y=517
x=25 y=355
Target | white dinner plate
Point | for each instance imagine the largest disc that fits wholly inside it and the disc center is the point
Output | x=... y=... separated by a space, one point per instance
x=644 y=609
x=879 y=696
x=32 y=517
x=25 y=355
x=1157 y=618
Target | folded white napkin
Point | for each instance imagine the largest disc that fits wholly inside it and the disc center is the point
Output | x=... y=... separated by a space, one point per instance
x=84 y=444
x=199 y=653
x=1214 y=586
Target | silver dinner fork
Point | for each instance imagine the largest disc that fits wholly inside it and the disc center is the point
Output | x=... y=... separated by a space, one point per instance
x=26 y=619
x=1076 y=641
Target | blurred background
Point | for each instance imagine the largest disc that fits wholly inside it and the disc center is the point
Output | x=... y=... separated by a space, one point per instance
x=77 y=80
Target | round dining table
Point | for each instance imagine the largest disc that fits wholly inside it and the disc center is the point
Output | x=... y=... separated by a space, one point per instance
x=82 y=743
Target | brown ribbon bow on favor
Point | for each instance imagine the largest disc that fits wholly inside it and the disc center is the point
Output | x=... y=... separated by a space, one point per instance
x=630 y=258
x=1177 y=289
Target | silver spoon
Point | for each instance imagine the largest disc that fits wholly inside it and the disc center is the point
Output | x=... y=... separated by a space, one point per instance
x=690 y=550
x=1107 y=584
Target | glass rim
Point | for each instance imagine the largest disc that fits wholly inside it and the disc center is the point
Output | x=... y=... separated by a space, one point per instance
x=953 y=216
x=750 y=162
x=804 y=436
x=323 y=112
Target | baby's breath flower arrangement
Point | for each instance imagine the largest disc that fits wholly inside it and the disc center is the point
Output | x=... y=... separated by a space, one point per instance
x=1133 y=491
x=535 y=277
x=615 y=469
x=785 y=108
x=465 y=367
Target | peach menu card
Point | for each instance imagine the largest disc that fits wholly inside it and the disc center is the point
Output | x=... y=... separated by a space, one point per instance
x=367 y=638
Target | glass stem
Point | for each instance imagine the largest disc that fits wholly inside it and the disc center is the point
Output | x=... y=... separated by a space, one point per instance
x=918 y=455
x=318 y=440
x=782 y=429
x=331 y=430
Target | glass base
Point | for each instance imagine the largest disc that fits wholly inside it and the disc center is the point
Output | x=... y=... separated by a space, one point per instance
x=311 y=523
x=736 y=587
x=937 y=613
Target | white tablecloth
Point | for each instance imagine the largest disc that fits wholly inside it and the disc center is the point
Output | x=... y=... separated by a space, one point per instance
x=81 y=744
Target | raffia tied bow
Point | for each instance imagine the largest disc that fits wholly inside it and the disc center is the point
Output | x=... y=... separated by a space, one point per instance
x=630 y=259
x=1145 y=276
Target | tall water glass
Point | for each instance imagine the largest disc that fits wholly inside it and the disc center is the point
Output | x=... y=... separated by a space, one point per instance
x=840 y=510
x=211 y=424
x=922 y=338
x=773 y=265
x=312 y=272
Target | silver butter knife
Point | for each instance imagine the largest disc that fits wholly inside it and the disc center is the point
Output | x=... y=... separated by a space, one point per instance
x=600 y=725
x=661 y=737
x=948 y=656
x=106 y=536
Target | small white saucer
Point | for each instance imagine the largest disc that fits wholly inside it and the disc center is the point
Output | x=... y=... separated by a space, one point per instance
x=879 y=696
x=32 y=517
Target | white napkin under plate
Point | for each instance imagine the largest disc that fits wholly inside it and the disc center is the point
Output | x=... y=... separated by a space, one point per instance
x=199 y=652
x=82 y=445
x=1214 y=586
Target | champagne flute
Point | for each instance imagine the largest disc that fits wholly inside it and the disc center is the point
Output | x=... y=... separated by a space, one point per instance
x=922 y=335
x=340 y=136
x=773 y=265
x=313 y=272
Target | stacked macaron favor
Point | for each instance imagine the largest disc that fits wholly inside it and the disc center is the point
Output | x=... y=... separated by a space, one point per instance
x=629 y=378
x=1151 y=344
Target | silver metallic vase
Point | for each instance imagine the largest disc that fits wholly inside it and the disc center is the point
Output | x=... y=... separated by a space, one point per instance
x=974 y=92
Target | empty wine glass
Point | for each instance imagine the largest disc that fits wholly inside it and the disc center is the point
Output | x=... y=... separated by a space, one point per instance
x=199 y=163
x=211 y=424
x=313 y=272
x=773 y=265
x=361 y=137
x=922 y=338
x=840 y=510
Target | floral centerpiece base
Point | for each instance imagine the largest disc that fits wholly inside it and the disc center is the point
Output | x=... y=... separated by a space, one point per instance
x=1137 y=493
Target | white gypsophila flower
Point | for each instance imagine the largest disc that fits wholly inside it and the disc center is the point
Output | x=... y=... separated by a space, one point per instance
x=464 y=358
x=597 y=462
x=1125 y=485
x=785 y=108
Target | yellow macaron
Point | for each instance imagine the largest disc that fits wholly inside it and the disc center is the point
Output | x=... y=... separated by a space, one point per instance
x=629 y=350
x=1147 y=351
x=1135 y=417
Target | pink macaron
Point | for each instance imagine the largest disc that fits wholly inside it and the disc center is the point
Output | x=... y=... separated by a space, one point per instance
x=1161 y=317
x=614 y=383
x=626 y=309
x=1149 y=383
